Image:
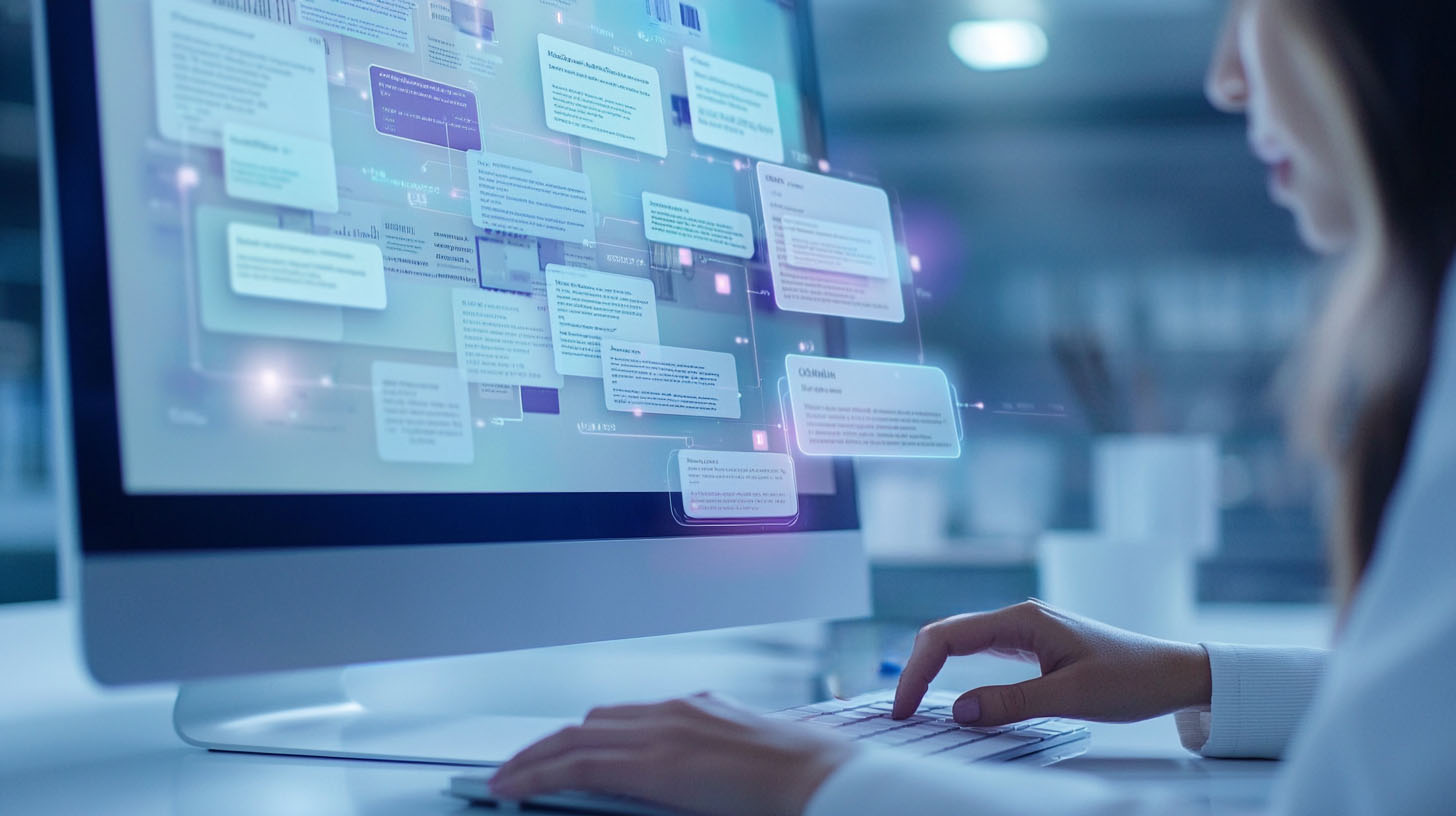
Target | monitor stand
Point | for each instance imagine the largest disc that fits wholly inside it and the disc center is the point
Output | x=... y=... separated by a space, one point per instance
x=311 y=714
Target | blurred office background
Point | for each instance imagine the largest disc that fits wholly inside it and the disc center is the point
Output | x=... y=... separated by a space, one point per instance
x=1097 y=256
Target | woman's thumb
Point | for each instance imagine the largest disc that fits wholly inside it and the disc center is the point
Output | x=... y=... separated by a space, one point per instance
x=1000 y=705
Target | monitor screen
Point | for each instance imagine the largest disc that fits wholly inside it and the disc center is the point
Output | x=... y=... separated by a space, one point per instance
x=462 y=246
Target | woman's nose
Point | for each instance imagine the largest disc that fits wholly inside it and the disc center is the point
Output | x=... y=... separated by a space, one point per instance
x=1227 y=86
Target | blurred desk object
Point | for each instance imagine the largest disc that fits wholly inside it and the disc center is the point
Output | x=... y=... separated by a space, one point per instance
x=960 y=576
x=71 y=748
x=27 y=547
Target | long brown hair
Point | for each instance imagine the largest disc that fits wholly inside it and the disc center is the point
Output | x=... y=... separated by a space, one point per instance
x=1390 y=68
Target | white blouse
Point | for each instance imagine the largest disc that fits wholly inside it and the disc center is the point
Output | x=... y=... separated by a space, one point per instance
x=1370 y=728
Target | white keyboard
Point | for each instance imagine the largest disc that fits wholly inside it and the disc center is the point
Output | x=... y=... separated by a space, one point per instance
x=930 y=731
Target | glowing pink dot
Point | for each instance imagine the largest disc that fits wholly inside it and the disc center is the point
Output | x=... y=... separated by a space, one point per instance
x=637 y=412
x=760 y=440
x=559 y=19
x=684 y=256
x=915 y=263
x=824 y=165
x=188 y=177
x=737 y=164
x=722 y=283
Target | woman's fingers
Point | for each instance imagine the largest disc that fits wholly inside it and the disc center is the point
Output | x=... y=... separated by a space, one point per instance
x=593 y=735
x=960 y=635
x=601 y=770
x=1045 y=696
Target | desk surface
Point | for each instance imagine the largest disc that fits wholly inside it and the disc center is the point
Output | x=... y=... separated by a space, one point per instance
x=67 y=746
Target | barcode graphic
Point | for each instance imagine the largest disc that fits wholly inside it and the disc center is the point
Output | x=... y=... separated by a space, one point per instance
x=690 y=17
x=660 y=10
x=279 y=11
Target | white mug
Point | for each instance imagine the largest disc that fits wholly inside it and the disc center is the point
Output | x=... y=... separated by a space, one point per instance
x=1144 y=586
x=1165 y=488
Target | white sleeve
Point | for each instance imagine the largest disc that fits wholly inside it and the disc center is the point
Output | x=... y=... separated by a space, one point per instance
x=1382 y=733
x=1260 y=696
x=883 y=783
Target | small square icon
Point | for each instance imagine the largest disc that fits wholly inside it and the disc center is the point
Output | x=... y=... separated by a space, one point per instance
x=684 y=256
x=722 y=283
x=760 y=440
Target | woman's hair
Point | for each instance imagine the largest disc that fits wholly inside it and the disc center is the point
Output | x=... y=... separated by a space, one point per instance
x=1389 y=67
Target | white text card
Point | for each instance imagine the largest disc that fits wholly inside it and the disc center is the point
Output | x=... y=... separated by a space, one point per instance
x=286 y=265
x=389 y=23
x=277 y=168
x=674 y=221
x=601 y=96
x=723 y=485
x=504 y=338
x=829 y=247
x=587 y=305
x=525 y=198
x=733 y=107
x=650 y=379
x=823 y=222
x=422 y=414
x=214 y=66
x=855 y=408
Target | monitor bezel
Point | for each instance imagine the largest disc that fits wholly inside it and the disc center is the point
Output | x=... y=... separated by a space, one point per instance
x=111 y=520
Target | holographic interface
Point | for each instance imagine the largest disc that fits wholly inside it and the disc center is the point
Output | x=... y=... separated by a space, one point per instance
x=510 y=246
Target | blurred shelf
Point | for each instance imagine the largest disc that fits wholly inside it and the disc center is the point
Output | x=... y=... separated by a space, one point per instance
x=27 y=575
x=27 y=521
x=20 y=251
x=17 y=122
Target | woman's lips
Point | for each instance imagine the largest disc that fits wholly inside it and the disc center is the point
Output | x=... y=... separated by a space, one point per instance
x=1281 y=176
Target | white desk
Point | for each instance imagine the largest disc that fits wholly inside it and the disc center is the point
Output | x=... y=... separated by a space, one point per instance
x=67 y=747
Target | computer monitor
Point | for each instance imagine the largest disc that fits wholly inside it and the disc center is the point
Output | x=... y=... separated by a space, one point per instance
x=397 y=329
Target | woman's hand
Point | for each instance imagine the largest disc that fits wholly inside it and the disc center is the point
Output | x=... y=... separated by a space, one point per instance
x=699 y=754
x=1089 y=671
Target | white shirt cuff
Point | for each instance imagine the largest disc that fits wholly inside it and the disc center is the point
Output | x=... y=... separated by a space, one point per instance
x=1260 y=695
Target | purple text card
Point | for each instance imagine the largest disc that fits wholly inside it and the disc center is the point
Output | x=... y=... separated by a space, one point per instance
x=422 y=110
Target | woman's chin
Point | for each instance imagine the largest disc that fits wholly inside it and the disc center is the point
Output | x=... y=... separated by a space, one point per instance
x=1326 y=236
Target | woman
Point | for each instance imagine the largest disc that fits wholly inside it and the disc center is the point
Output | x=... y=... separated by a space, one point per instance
x=1353 y=105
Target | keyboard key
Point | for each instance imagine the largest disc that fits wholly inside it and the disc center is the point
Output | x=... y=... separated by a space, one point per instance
x=899 y=737
x=988 y=747
x=1042 y=731
x=1029 y=723
x=993 y=730
x=942 y=742
x=865 y=728
x=834 y=720
x=930 y=731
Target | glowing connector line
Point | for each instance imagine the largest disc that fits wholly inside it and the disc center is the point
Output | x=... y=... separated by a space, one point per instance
x=686 y=440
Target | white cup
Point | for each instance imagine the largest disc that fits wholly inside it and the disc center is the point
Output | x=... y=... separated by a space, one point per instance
x=1012 y=485
x=902 y=512
x=1143 y=586
x=1158 y=488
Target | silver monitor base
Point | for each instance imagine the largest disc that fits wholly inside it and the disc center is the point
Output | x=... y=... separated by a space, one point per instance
x=310 y=714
